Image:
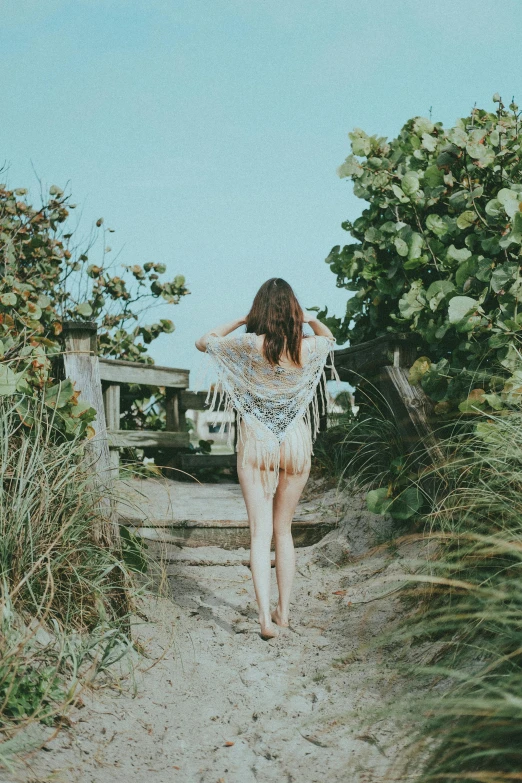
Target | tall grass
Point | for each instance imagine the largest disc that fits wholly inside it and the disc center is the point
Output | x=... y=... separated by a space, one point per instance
x=471 y=606
x=361 y=450
x=464 y=605
x=64 y=597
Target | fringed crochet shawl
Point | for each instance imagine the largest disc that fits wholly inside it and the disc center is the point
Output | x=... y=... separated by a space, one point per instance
x=270 y=400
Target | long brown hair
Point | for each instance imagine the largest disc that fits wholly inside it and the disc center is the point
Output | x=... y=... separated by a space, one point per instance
x=277 y=314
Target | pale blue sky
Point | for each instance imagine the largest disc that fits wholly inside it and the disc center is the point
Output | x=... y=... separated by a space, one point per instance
x=207 y=132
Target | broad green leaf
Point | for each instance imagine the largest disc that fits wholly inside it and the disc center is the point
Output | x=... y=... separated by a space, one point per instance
x=407 y=504
x=410 y=183
x=494 y=207
x=483 y=271
x=465 y=270
x=378 y=501
x=438 y=291
x=403 y=198
x=415 y=244
x=84 y=309
x=373 y=235
x=401 y=246
x=419 y=368
x=474 y=402
x=44 y=301
x=167 y=324
x=34 y=311
x=433 y=177
x=509 y=200
x=458 y=254
x=429 y=142
x=514 y=237
x=389 y=227
x=458 y=136
x=494 y=401
x=9 y=299
x=517 y=222
x=503 y=276
x=83 y=410
x=413 y=301
x=423 y=125
x=350 y=168
x=466 y=219
x=361 y=144
x=59 y=395
x=460 y=307
x=486 y=158
x=437 y=225
x=8 y=380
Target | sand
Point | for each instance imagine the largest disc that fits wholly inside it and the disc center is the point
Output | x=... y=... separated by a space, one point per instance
x=214 y=703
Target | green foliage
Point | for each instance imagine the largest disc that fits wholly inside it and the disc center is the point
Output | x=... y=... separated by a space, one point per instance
x=468 y=603
x=46 y=279
x=367 y=452
x=437 y=251
x=133 y=550
x=65 y=596
x=28 y=691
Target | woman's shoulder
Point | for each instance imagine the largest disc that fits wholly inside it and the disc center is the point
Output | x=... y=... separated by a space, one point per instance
x=318 y=342
x=229 y=342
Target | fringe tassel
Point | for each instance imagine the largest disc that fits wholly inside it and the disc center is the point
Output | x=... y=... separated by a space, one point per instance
x=298 y=440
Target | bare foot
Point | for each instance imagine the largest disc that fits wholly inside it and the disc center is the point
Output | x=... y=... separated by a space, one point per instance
x=278 y=620
x=268 y=631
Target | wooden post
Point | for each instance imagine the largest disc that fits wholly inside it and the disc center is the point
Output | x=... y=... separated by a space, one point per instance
x=81 y=366
x=111 y=403
x=174 y=411
x=412 y=409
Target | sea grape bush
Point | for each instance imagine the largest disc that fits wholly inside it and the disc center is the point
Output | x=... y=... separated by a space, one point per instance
x=438 y=251
x=44 y=279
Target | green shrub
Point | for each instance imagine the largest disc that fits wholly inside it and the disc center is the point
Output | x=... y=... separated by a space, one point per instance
x=437 y=252
x=46 y=278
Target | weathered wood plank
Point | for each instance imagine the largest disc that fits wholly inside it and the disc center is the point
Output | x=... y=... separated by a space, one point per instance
x=396 y=350
x=111 y=401
x=412 y=408
x=175 y=413
x=226 y=537
x=189 y=461
x=140 y=439
x=119 y=371
x=80 y=364
x=193 y=401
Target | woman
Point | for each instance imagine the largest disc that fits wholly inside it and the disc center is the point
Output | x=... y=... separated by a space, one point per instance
x=269 y=375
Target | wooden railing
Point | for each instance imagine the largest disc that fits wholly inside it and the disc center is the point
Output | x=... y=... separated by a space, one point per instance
x=100 y=380
x=384 y=361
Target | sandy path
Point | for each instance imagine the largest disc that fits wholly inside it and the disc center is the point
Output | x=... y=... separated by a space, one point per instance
x=223 y=706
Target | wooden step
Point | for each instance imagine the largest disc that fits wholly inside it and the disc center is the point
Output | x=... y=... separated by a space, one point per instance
x=197 y=514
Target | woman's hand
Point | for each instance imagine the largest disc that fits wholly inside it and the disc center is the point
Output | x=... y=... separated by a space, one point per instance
x=309 y=316
x=220 y=331
x=317 y=327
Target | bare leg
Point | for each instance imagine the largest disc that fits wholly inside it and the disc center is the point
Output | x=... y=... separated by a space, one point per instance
x=286 y=498
x=259 y=510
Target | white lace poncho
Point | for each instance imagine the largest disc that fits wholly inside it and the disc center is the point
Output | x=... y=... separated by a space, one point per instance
x=270 y=400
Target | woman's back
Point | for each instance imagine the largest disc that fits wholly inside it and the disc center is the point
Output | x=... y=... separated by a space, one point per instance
x=284 y=359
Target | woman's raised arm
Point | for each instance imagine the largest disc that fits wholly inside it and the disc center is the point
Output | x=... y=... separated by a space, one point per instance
x=219 y=331
x=318 y=328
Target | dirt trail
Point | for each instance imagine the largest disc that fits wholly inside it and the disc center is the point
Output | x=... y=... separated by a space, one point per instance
x=222 y=705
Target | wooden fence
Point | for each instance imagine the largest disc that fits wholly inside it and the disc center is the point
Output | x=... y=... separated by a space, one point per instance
x=384 y=361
